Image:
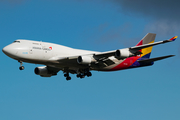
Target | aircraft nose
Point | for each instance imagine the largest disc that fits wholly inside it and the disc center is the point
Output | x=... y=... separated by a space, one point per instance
x=9 y=51
x=4 y=50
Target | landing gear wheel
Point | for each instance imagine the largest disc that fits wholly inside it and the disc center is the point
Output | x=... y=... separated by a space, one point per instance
x=89 y=74
x=68 y=78
x=21 y=68
x=78 y=75
x=82 y=76
x=66 y=75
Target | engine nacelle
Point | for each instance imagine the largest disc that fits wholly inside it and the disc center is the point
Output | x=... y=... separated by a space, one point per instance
x=42 y=71
x=122 y=53
x=84 y=59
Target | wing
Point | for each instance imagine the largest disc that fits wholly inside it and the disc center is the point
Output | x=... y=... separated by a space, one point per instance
x=106 y=58
x=153 y=44
x=132 y=51
x=100 y=59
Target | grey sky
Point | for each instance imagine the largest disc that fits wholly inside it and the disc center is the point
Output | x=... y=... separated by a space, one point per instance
x=158 y=9
x=163 y=14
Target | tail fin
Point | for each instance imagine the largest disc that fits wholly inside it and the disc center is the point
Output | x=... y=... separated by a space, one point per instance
x=149 y=38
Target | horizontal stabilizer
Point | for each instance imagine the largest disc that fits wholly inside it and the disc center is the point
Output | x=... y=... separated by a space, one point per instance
x=155 y=59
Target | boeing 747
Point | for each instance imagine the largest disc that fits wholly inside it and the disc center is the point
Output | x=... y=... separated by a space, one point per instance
x=57 y=58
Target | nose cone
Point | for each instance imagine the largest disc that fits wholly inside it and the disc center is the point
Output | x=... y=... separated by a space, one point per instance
x=5 y=50
x=9 y=51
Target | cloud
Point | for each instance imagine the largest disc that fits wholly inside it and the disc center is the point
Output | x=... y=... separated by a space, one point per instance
x=164 y=27
x=158 y=9
x=162 y=14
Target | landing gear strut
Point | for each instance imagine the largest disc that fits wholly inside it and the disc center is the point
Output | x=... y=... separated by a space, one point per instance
x=21 y=67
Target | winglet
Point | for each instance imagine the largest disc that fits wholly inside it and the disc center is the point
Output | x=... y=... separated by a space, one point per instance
x=173 y=38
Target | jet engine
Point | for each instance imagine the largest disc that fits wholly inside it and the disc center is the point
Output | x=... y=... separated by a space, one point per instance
x=43 y=71
x=84 y=59
x=123 y=53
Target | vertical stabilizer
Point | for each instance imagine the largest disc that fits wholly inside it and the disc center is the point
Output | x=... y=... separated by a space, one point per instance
x=149 y=38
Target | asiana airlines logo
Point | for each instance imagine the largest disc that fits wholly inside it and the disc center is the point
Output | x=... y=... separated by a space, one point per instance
x=50 y=48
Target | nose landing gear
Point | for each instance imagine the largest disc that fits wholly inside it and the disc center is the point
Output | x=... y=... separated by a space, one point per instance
x=21 y=67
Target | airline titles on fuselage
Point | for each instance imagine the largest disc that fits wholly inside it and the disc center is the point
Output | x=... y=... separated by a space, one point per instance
x=39 y=48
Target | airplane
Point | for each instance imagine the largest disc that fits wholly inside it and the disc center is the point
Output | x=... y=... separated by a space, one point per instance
x=75 y=61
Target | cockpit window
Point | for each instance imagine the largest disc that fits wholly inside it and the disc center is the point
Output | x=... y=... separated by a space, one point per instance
x=16 y=41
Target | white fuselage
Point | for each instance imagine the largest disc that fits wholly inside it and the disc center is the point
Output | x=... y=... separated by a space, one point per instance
x=42 y=52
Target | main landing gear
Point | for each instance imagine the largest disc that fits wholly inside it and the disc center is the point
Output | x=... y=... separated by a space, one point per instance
x=79 y=75
x=67 y=76
x=82 y=75
x=21 y=67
